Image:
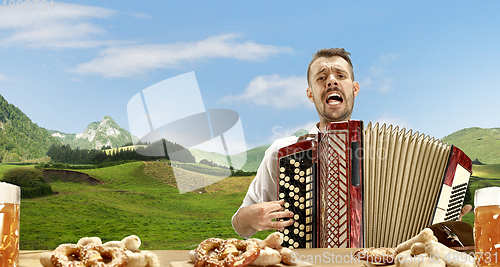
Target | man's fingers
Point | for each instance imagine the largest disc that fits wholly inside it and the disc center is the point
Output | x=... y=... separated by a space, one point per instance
x=464 y=211
x=280 y=225
x=281 y=214
x=276 y=206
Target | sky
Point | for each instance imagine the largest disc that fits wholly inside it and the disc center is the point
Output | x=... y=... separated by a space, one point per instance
x=430 y=66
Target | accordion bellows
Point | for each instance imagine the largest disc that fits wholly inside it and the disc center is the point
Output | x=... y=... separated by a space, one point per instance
x=369 y=187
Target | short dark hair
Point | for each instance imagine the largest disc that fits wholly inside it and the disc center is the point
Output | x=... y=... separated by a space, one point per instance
x=330 y=52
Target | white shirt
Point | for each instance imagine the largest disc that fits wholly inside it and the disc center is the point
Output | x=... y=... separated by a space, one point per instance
x=264 y=186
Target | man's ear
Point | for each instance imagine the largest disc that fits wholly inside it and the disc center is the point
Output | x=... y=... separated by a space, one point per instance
x=310 y=94
x=355 y=86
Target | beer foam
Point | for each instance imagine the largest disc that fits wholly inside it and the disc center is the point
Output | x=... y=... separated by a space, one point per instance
x=487 y=196
x=10 y=193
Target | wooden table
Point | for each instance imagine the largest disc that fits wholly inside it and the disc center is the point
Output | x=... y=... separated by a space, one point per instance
x=179 y=258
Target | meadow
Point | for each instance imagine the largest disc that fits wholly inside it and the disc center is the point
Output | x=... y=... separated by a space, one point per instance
x=134 y=198
x=140 y=198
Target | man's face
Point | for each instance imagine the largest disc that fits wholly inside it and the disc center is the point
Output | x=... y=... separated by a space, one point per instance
x=332 y=89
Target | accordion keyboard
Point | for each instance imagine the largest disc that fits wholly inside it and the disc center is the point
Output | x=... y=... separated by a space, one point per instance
x=455 y=203
x=296 y=185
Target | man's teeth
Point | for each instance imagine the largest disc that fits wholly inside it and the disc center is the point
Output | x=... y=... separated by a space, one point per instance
x=334 y=97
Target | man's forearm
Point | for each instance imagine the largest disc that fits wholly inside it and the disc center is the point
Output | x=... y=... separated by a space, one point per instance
x=243 y=230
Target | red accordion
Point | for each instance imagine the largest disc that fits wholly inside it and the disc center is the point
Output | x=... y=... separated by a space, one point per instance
x=368 y=187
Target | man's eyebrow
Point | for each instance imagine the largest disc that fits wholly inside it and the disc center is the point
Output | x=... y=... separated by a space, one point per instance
x=337 y=69
x=340 y=69
x=320 y=71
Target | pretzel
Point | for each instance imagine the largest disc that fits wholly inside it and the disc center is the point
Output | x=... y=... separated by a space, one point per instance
x=90 y=252
x=425 y=235
x=216 y=252
x=135 y=259
x=272 y=241
x=62 y=254
x=151 y=258
x=97 y=255
x=267 y=256
x=251 y=251
x=203 y=250
x=115 y=244
x=132 y=243
x=286 y=256
x=46 y=259
x=417 y=248
x=89 y=240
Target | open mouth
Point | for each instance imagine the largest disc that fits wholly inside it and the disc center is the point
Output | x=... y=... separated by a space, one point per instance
x=334 y=98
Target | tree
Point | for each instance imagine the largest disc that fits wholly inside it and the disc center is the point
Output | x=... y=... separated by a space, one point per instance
x=30 y=180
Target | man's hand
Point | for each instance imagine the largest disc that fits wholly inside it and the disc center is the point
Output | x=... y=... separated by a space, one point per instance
x=464 y=211
x=260 y=216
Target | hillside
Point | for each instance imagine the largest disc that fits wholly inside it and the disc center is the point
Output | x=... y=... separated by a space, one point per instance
x=254 y=156
x=20 y=138
x=96 y=135
x=483 y=144
x=134 y=198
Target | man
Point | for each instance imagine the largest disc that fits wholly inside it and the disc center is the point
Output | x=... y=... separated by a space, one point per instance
x=332 y=89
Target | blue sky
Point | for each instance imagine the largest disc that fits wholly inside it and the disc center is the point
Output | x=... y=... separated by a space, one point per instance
x=430 y=66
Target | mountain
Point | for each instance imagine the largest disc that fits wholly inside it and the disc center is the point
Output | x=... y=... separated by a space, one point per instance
x=97 y=134
x=20 y=138
x=483 y=144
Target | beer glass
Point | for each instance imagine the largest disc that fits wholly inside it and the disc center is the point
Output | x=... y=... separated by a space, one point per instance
x=10 y=200
x=487 y=226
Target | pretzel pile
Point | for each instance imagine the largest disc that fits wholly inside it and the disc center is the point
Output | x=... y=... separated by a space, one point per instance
x=217 y=252
x=421 y=250
x=91 y=252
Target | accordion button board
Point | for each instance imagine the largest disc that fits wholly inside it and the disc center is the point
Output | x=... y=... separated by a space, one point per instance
x=296 y=187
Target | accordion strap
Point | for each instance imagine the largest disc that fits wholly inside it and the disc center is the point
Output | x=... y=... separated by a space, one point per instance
x=305 y=136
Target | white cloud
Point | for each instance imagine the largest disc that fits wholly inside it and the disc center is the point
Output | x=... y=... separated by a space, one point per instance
x=378 y=74
x=3 y=78
x=274 y=90
x=65 y=26
x=133 y=60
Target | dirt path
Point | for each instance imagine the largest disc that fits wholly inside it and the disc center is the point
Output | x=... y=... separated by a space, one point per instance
x=69 y=176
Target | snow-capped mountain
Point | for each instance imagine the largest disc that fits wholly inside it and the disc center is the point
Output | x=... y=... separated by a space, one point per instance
x=97 y=134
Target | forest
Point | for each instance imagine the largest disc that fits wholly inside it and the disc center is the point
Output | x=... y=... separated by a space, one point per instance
x=20 y=138
x=157 y=150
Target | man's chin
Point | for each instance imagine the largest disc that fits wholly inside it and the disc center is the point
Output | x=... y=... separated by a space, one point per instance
x=336 y=117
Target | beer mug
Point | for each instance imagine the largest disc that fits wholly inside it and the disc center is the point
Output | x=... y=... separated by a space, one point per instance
x=487 y=226
x=10 y=200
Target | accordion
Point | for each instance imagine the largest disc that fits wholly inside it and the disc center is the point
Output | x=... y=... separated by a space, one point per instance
x=368 y=187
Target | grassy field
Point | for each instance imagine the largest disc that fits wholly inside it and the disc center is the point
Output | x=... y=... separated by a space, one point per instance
x=133 y=199
x=140 y=198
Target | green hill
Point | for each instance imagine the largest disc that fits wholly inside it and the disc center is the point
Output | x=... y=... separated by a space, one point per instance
x=135 y=198
x=20 y=138
x=254 y=156
x=483 y=144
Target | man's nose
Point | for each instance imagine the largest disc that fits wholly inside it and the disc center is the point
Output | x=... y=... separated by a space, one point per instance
x=332 y=81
